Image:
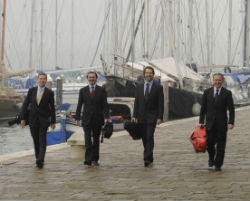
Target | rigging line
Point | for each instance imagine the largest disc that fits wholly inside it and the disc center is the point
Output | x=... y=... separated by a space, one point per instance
x=26 y=40
x=222 y=17
x=199 y=31
x=184 y=31
x=46 y=21
x=60 y=12
x=156 y=39
x=235 y=49
x=128 y=35
x=217 y=7
x=18 y=57
x=14 y=38
x=123 y=31
x=164 y=11
x=93 y=35
x=27 y=17
x=8 y=61
x=186 y=25
x=84 y=25
x=135 y=32
x=46 y=24
x=100 y=36
x=14 y=45
x=142 y=34
x=140 y=37
x=49 y=49
x=157 y=36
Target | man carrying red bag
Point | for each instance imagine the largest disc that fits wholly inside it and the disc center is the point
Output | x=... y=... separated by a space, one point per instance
x=213 y=115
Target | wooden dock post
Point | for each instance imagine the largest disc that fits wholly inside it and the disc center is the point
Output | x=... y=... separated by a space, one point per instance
x=166 y=101
x=59 y=91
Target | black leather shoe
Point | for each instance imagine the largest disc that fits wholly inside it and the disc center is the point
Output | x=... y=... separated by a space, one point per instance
x=95 y=163
x=210 y=163
x=148 y=163
x=88 y=163
x=39 y=164
x=217 y=168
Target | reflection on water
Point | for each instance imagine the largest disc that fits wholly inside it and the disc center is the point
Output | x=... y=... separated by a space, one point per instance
x=14 y=139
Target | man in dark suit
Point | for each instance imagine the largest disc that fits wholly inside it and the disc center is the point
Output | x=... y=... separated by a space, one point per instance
x=93 y=98
x=39 y=108
x=215 y=103
x=148 y=111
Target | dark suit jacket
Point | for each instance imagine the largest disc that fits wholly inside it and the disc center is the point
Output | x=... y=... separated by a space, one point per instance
x=44 y=112
x=150 y=111
x=213 y=113
x=95 y=109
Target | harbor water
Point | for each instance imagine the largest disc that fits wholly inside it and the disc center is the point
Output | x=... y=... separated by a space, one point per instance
x=14 y=138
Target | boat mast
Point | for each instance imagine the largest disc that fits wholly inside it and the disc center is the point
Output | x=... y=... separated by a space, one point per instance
x=41 y=61
x=178 y=26
x=3 y=31
x=171 y=32
x=246 y=41
x=230 y=12
x=115 y=35
x=133 y=35
x=72 y=35
x=212 y=45
x=2 y=43
x=162 y=30
x=190 y=23
x=56 y=32
x=208 y=35
x=31 y=34
x=146 y=21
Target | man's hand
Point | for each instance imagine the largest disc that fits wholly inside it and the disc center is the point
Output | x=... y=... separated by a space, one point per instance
x=53 y=126
x=77 y=122
x=202 y=125
x=159 y=121
x=133 y=119
x=23 y=123
x=107 y=120
x=230 y=126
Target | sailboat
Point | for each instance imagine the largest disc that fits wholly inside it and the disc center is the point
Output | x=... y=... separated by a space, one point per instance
x=124 y=73
x=10 y=101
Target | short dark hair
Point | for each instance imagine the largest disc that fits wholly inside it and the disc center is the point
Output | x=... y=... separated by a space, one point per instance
x=42 y=73
x=218 y=74
x=148 y=67
x=92 y=72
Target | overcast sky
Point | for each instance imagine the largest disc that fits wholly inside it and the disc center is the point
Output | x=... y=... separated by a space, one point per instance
x=87 y=25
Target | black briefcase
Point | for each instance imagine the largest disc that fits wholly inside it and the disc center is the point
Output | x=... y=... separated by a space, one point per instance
x=134 y=129
x=107 y=130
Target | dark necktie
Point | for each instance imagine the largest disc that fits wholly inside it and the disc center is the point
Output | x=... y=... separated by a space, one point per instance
x=216 y=95
x=147 y=92
x=92 y=92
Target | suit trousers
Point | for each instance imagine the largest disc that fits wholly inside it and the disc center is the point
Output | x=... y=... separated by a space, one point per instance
x=92 y=141
x=148 y=141
x=216 y=145
x=38 y=134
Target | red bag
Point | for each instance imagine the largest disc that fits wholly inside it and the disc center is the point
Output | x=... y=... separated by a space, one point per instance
x=198 y=139
x=117 y=119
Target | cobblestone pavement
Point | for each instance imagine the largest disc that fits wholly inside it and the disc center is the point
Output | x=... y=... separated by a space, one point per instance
x=177 y=174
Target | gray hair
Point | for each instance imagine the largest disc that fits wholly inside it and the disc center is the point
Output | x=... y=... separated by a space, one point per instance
x=218 y=74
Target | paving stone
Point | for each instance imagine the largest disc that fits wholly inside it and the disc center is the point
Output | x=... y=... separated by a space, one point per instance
x=178 y=173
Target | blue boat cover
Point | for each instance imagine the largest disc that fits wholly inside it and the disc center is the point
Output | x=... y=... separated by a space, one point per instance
x=57 y=137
